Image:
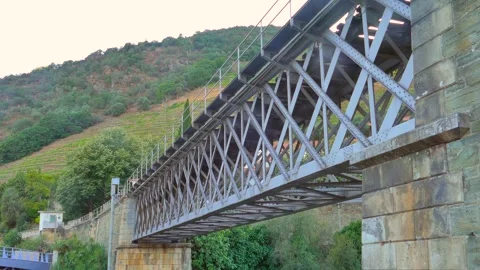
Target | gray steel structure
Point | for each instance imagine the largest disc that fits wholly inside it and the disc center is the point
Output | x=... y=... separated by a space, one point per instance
x=279 y=138
x=14 y=258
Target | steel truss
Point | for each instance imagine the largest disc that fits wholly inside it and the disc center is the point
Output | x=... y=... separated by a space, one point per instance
x=283 y=143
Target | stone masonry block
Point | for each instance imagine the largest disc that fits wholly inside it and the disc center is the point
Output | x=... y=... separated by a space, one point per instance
x=422 y=8
x=432 y=25
x=412 y=254
x=403 y=199
x=432 y=223
x=434 y=78
x=379 y=256
x=472 y=190
x=447 y=253
x=430 y=108
x=465 y=219
x=396 y=172
x=373 y=230
x=430 y=162
x=438 y=190
x=377 y=203
x=399 y=227
x=372 y=177
x=473 y=252
x=428 y=54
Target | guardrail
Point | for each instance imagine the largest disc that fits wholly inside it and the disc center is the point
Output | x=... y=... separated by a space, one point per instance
x=26 y=255
x=229 y=69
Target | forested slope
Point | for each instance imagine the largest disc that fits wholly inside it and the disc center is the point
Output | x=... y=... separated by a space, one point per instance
x=57 y=101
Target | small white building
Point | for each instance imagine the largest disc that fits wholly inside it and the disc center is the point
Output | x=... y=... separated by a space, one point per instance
x=50 y=219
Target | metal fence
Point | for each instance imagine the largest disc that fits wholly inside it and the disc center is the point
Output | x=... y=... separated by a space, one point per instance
x=26 y=255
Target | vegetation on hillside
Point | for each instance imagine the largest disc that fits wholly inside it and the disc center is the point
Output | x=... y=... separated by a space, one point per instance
x=85 y=185
x=107 y=83
x=23 y=196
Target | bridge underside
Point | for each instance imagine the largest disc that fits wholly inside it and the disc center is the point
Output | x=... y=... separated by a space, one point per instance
x=280 y=137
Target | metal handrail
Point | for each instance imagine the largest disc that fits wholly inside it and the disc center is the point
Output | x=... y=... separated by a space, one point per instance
x=26 y=255
x=233 y=58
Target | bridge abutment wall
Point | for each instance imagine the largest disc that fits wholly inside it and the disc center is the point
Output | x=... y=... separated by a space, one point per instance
x=128 y=255
x=422 y=211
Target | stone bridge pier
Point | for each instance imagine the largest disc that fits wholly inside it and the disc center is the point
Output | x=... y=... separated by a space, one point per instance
x=147 y=256
x=421 y=205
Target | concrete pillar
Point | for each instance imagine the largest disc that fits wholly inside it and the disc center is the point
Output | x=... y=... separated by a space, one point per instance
x=154 y=257
x=146 y=256
x=127 y=221
x=422 y=211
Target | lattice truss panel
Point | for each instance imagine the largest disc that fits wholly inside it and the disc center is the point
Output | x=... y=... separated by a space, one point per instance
x=286 y=146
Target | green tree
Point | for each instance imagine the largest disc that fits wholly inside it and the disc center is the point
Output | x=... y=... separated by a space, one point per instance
x=346 y=252
x=300 y=241
x=12 y=207
x=12 y=238
x=247 y=247
x=86 y=182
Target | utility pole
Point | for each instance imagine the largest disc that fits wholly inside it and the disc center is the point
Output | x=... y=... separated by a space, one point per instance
x=113 y=188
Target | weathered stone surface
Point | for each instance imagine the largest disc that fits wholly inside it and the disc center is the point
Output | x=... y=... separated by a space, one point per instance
x=154 y=256
x=430 y=162
x=438 y=190
x=472 y=190
x=447 y=253
x=434 y=78
x=428 y=54
x=432 y=223
x=412 y=254
x=473 y=252
x=432 y=25
x=464 y=153
x=371 y=178
x=373 y=230
x=403 y=198
x=441 y=131
x=377 y=203
x=430 y=108
x=379 y=256
x=421 y=8
x=465 y=219
x=396 y=172
x=399 y=227
x=463 y=99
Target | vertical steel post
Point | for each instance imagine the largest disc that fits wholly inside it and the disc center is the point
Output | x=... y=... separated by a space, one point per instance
x=205 y=100
x=220 y=80
x=238 y=61
x=115 y=183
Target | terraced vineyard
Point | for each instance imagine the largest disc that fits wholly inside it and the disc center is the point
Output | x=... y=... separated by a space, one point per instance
x=154 y=123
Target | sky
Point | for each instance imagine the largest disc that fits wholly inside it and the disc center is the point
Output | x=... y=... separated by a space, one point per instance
x=36 y=33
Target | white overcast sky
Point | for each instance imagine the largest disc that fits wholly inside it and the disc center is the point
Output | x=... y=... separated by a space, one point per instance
x=36 y=33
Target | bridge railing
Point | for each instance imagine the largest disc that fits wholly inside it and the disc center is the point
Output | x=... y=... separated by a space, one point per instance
x=26 y=255
x=246 y=50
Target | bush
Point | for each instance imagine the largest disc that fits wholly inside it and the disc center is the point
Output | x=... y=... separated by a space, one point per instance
x=346 y=252
x=12 y=238
x=116 y=109
x=143 y=104
x=74 y=254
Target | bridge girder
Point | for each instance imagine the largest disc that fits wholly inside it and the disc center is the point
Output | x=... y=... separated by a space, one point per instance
x=282 y=143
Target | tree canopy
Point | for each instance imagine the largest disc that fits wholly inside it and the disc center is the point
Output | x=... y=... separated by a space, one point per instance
x=86 y=182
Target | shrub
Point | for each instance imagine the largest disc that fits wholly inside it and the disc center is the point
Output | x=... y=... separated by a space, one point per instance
x=12 y=238
x=74 y=254
x=143 y=104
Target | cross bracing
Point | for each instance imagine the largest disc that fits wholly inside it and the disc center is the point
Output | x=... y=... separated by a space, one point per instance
x=279 y=138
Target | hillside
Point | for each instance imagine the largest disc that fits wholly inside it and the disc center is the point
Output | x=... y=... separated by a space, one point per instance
x=152 y=124
x=57 y=101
